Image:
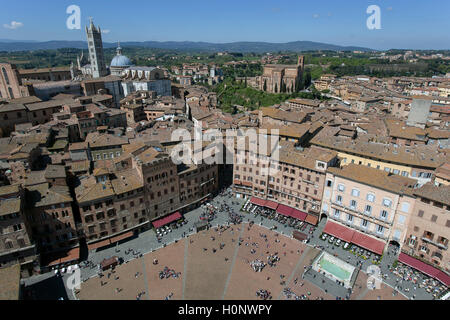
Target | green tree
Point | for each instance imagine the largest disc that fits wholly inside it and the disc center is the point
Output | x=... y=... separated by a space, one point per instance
x=276 y=87
x=307 y=80
x=265 y=86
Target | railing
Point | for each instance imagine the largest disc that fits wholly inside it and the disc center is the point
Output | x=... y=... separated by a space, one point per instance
x=366 y=215
x=439 y=245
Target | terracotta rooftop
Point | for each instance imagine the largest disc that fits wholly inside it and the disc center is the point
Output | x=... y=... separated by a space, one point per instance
x=9 y=206
x=439 y=194
x=420 y=156
x=10 y=283
x=376 y=178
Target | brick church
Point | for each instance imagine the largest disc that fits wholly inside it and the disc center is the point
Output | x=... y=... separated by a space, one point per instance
x=279 y=78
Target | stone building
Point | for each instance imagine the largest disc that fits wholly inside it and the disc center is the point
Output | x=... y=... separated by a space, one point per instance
x=142 y=186
x=16 y=244
x=278 y=78
x=11 y=84
x=145 y=79
x=49 y=211
x=371 y=202
x=295 y=178
x=429 y=225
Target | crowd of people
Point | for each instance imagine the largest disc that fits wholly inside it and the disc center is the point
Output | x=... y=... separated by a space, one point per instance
x=288 y=294
x=406 y=274
x=167 y=273
x=263 y=294
x=273 y=259
x=257 y=265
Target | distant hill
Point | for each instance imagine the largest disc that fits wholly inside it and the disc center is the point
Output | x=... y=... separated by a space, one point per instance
x=257 y=47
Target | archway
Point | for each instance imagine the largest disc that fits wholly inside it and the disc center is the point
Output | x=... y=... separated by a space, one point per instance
x=394 y=243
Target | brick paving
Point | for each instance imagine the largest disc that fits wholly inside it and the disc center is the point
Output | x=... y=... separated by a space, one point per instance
x=130 y=285
x=207 y=273
x=244 y=281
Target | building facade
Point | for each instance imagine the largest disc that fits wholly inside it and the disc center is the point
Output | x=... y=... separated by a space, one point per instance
x=429 y=226
x=369 y=201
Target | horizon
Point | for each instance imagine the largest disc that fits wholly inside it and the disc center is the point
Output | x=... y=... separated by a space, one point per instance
x=214 y=22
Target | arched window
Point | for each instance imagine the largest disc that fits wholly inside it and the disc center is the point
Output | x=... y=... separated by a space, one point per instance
x=11 y=94
x=5 y=75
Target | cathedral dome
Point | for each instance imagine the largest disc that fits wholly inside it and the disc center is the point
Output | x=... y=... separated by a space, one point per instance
x=119 y=60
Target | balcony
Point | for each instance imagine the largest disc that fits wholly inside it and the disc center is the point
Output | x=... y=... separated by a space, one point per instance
x=437 y=244
x=308 y=182
x=364 y=214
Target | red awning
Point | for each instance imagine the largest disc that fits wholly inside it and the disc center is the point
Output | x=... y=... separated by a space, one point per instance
x=121 y=237
x=312 y=219
x=258 y=201
x=368 y=243
x=99 y=244
x=425 y=268
x=284 y=210
x=299 y=215
x=72 y=255
x=271 y=205
x=166 y=220
x=339 y=231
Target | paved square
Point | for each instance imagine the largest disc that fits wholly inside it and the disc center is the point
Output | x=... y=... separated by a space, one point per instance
x=209 y=272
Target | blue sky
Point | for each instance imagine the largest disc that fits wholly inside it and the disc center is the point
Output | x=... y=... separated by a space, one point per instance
x=405 y=23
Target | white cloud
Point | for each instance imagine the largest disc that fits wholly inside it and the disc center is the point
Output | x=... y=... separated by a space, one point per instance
x=315 y=16
x=13 y=25
x=389 y=8
x=106 y=31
